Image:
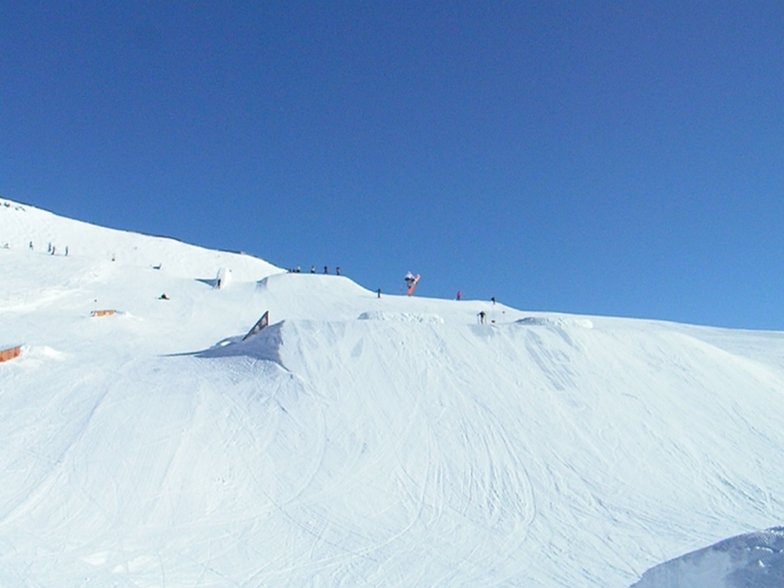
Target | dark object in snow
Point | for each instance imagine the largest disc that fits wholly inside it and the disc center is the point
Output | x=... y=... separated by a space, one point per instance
x=260 y=324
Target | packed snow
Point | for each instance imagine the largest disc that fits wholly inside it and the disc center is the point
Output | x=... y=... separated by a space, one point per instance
x=358 y=439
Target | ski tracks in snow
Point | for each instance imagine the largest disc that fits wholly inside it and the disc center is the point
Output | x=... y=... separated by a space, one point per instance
x=451 y=483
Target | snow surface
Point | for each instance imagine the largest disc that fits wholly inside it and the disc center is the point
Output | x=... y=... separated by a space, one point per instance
x=357 y=440
x=752 y=560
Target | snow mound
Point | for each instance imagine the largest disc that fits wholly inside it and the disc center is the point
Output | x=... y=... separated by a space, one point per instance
x=264 y=345
x=401 y=317
x=753 y=559
x=33 y=355
x=549 y=321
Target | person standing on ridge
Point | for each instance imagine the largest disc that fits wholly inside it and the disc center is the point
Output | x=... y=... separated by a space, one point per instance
x=459 y=295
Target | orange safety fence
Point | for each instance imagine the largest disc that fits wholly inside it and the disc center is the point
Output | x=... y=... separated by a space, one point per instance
x=10 y=353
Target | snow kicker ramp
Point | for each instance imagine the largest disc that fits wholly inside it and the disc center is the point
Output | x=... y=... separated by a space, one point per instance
x=543 y=453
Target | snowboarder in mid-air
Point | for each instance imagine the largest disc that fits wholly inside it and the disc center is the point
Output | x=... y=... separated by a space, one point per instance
x=411 y=282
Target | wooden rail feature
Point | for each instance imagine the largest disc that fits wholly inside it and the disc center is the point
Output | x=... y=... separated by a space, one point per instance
x=102 y=312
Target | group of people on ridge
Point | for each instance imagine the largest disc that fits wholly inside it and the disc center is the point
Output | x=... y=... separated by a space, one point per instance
x=298 y=270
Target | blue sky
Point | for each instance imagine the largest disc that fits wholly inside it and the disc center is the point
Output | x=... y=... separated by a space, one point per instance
x=614 y=158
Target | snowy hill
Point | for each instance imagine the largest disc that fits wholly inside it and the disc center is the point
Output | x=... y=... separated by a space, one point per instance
x=356 y=440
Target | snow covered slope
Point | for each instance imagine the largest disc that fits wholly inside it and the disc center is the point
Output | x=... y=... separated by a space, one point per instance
x=357 y=440
x=22 y=225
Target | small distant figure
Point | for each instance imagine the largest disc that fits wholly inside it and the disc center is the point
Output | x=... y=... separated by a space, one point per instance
x=482 y=316
x=49 y=249
x=114 y=257
x=163 y=297
x=492 y=300
x=459 y=295
x=30 y=246
x=378 y=292
x=66 y=250
x=54 y=249
x=312 y=269
x=297 y=270
x=326 y=269
x=337 y=271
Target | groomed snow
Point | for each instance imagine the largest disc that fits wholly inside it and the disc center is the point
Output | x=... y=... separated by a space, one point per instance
x=357 y=440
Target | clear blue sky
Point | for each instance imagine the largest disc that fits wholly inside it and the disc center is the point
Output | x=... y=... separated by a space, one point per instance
x=618 y=158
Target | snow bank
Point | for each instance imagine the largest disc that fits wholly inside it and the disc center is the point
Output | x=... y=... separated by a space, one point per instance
x=556 y=321
x=264 y=345
x=753 y=560
x=401 y=317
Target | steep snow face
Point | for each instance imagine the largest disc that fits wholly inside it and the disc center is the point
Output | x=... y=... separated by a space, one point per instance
x=357 y=440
